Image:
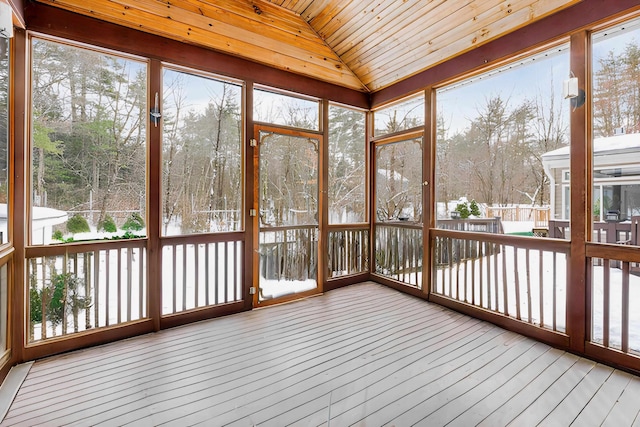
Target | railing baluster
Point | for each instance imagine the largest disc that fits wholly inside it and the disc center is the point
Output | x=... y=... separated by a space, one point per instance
x=119 y=289
x=490 y=254
x=528 y=270
x=207 y=280
x=555 y=291
x=517 y=281
x=196 y=272
x=107 y=282
x=625 y=306
x=129 y=280
x=606 y=301
x=215 y=273
x=174 y=276
x=96 y=287
x=185 y=267
x=473 y=272
x=496 y=275
x=450 y=263
x=541 y=286
x=233 y=270
x=141 y=288
x=505 y=292
x=226 y=271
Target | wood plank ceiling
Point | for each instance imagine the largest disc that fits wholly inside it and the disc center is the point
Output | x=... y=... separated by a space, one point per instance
x=359 y=44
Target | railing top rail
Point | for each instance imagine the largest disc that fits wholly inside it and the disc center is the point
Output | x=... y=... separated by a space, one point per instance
x=400 y=224
x=196 y=239
x=340 y=227
x=611 y=251
x=79 y=247
x=541 y=243
x=288 y=227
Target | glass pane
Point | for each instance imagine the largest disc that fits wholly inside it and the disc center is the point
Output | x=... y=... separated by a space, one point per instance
x=201 y=155
x=288 y=180
x=288 y=200
x=616 y=129
x=406 y=114
x=4 y=139
x=399 y=181
x=88 y=139
x=278 y=109
x=347 y=166
x=502 y=146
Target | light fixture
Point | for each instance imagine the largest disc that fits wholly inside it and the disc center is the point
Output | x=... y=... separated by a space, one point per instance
x=570 y=90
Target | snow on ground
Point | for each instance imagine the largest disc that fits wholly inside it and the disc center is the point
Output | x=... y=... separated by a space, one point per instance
x=517 y=226
x=544 y=281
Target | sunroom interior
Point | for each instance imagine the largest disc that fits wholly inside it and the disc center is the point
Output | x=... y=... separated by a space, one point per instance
x=168 y=162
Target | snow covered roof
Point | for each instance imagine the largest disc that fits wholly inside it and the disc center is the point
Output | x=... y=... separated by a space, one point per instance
x=619 y=144
x=616 y=150
x=392 y=174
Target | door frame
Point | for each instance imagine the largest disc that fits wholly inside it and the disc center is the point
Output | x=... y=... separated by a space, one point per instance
x=322 y=206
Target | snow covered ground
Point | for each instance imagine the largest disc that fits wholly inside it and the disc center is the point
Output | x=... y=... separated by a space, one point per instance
x=541 y=288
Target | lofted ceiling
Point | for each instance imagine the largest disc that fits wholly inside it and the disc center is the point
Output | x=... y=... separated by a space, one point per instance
x=359 y=44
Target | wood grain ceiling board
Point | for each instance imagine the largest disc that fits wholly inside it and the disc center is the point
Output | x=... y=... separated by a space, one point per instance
x=259 y=31
x=365 y=45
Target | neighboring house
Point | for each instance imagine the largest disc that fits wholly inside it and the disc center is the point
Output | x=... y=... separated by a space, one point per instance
x=616 y=178
x=43 y=221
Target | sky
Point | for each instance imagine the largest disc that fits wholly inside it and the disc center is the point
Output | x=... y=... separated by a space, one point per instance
x=526 y=79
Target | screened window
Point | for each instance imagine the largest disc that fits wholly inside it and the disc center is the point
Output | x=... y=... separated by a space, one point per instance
x=88 y=140
x=616 y=130
x=285 y=110
x=502 y=146
x=201 y=154
x=402 y=115
x=347 y=166
x=399 y=181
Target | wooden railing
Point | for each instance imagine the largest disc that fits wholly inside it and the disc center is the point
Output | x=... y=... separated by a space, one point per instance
x=399 y=252
x=201 y=271
x=348 y=250
x=520 y=278
x=539 y=215
x=614 y=323
x=625 y=232
x=480 y=225
x=289 y=253
x=74 y=288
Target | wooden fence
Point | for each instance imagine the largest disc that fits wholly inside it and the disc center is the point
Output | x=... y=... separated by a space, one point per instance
x=539 y=215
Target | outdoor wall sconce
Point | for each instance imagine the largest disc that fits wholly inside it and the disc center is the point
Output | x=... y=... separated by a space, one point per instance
x=571 y=91
x=155 y=112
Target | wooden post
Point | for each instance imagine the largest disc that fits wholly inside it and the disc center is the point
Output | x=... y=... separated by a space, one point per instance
x=581 y=173
x=428 y=190
x=154 y=208
x=18 y=292
x=251 y=238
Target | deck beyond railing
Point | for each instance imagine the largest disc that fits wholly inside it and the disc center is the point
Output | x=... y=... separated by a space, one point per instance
x=539 y=215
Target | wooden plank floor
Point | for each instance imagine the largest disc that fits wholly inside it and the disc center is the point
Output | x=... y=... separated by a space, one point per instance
x=363 y=355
